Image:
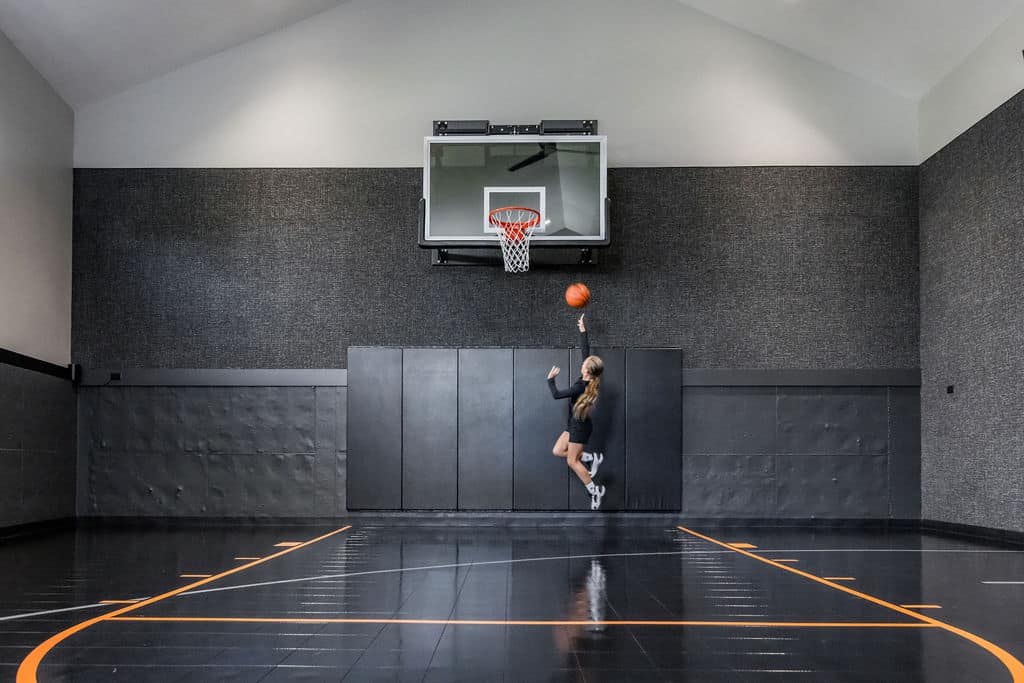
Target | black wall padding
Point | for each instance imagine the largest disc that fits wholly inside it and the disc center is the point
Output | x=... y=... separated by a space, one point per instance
x=375 y=428
x=430 y=396
x=609 y=436
x=653 y=429
x=539 y=476
x=485 y=429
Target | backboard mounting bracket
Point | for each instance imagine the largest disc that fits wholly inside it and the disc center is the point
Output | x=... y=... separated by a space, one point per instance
x=550 y=257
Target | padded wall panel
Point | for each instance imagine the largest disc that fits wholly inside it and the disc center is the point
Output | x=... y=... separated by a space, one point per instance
x=833 y=420
x=609 y=435
x=38 y=418
x=539 y=476
x=430 y=398
x=905 y=452
x=653 y=429
x=375 y=429
x=729 y=485
x=729 y=420
x=839 y=486
x=485 y=429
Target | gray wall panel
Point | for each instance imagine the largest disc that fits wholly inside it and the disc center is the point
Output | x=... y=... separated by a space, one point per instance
x=11 y=483
x=330 y=443
x=609 y=435
x=375 y=429
x=212 y=451
x=783 y=267
x=226 y=484
x=329 y=428
x=729 y=485
x=539 y=476
x=729 y=420
x=972 y=318
x=905 y=452
x=281 y=484
x=485 y=429
x=430 y=396
x=38 y=465
x=835 y=420
x=839 y=486
x=653 y=429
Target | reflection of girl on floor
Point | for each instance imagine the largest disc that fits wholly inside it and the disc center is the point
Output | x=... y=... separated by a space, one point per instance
x=587 y=604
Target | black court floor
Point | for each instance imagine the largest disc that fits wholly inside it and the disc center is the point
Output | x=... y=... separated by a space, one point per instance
x=386 y=603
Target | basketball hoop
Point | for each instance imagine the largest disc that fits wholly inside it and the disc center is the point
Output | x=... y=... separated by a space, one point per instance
x=515 y=225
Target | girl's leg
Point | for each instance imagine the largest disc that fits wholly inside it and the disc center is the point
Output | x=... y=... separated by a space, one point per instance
x=573 y=461
x=561 y=447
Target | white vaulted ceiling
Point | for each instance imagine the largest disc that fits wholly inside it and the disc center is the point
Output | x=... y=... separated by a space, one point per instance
x=91 y=49
x=906 y=46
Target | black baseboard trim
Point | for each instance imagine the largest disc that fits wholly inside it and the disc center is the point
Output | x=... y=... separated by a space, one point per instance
x=754 y=377
x=20 y=360
x=49 y=526
x=499 y=519
x=522 y=519
x=214 y=377
x=970 y=531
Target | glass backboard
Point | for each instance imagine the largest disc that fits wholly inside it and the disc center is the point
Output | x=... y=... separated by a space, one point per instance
x=562 y=177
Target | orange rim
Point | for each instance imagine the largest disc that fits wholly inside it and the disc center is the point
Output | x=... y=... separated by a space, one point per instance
x=514 y=230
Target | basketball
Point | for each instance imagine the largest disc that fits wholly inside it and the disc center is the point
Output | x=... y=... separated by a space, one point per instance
x=577 y=295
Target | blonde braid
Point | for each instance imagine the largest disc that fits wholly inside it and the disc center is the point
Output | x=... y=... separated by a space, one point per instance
x=585 y=404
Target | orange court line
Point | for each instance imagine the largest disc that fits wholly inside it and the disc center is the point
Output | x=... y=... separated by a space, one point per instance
x=118 y=602
x=196 y=576
x=922 y=606
x=514 y=622
x=1012 y=664
x=29 y=668
x=741 y=545
x=287 y=544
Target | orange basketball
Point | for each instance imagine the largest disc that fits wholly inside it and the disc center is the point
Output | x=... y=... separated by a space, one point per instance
x=577 y=295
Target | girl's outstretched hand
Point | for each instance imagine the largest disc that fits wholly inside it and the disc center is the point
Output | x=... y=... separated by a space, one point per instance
x=553 y=372
x=579 y=323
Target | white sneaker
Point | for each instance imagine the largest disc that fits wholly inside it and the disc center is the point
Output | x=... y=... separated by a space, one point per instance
x=595 y=498
x=595 y=463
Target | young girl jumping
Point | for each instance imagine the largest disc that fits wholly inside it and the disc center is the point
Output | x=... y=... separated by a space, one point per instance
x=582 y=394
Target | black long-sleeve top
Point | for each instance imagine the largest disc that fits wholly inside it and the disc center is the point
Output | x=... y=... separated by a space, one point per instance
x=577 y=388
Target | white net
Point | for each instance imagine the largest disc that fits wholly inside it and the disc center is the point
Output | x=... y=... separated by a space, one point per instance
x=515 y=228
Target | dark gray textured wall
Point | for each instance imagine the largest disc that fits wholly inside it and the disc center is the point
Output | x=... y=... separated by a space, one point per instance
x=972 y=324
x=37 y=447
x=253 y=452
x=778 y=267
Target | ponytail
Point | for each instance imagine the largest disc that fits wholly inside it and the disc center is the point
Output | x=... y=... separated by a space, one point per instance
x=585 y=404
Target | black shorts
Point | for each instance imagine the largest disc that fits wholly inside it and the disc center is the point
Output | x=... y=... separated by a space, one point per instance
x=579 y=430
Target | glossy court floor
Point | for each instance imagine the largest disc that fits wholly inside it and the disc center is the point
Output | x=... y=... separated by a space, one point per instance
x=386 y=603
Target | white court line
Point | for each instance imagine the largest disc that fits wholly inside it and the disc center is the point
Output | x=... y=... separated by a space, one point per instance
x=883 y=550
x=324 y=577
x=443 y=566
x=1004 y=583
x=26 y=615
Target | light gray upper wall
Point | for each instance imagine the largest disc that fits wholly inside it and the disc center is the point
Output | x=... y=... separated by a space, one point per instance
x=990 y=76
x=358 y=85
x=36 y=129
